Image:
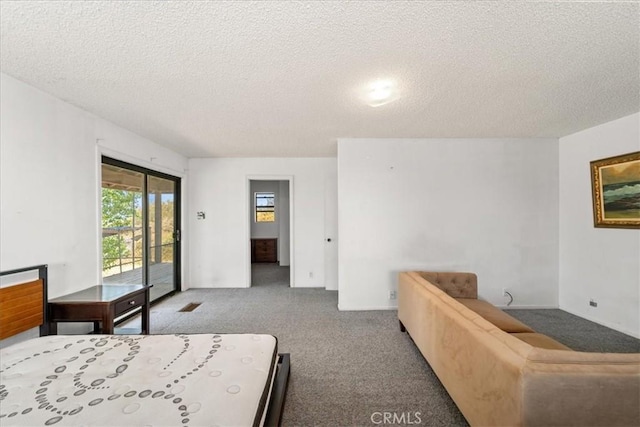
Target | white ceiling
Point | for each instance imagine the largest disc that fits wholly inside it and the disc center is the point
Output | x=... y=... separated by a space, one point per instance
x=285 y=79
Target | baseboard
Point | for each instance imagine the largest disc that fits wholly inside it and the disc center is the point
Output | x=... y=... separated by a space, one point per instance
x=366 y=308
x=600 y=322
x=395 y=307
x=528 y=307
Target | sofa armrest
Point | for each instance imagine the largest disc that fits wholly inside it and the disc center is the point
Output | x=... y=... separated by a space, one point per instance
x=454 y=284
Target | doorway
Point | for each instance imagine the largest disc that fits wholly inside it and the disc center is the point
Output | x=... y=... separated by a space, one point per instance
x=270 y=232
x=140 y=217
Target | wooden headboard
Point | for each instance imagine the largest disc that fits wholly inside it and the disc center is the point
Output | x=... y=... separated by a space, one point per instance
x=24 y=306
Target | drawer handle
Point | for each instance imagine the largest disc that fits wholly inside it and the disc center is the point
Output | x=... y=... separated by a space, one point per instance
x=132 y=302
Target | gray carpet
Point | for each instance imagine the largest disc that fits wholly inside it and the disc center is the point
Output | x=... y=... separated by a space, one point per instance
x=576 y=332
x=346 y=366
x=269 y=274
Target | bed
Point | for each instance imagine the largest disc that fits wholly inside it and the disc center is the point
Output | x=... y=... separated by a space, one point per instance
x=118 y=380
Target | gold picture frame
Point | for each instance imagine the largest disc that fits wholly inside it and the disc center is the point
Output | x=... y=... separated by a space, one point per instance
x=615 y=183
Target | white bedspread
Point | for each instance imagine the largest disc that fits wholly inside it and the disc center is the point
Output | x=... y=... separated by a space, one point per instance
x=152 y=380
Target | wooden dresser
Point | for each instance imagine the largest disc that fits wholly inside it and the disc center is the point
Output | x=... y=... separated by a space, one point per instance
x=264 y=250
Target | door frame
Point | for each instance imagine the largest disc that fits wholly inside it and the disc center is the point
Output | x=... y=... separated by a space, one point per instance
x=247 y=232
x=115 y=161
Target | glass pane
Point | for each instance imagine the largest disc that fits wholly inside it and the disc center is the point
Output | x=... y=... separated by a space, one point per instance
x=122 y=228
x=265 y=207
x=161 y=235
x=265 y=199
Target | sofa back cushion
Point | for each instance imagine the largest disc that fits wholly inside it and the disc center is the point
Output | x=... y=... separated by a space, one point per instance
x=456 y=285
x=494 y=315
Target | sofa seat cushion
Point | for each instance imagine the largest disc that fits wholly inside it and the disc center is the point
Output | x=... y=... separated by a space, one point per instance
x=539 y=340
x=494 y=315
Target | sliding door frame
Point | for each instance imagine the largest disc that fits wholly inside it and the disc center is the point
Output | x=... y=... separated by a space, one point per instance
x=177 y=218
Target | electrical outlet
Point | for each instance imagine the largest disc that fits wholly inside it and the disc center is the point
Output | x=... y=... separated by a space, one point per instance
x=311 y=275
x=593 y=303
x=393 y=295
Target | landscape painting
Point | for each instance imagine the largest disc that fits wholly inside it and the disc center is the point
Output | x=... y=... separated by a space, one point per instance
x=616 y=191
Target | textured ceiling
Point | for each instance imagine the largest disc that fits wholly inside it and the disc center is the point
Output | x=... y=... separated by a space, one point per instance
x=284 y=79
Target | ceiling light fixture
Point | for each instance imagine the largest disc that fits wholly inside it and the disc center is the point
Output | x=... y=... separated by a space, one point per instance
x=381 y=92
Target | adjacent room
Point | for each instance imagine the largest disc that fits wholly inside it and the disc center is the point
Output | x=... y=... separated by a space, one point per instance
x=320 y=213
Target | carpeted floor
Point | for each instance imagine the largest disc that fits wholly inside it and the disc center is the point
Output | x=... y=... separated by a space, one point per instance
x=576 y=332
x=269 y=274
x=346 y=366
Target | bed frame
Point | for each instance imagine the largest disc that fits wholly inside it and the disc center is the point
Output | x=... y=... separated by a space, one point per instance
x=23 y=307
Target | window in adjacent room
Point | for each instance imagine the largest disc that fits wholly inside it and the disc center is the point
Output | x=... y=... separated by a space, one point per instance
x=265 y=204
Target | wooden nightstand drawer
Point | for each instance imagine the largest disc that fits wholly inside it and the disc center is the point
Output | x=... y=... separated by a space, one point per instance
x=264 y=250
x=130 y=303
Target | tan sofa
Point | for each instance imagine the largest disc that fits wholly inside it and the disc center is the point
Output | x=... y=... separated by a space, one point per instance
x=500 y=372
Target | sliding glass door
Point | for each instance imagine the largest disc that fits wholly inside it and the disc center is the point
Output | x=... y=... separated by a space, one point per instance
x=140 y=234
x=163 y=234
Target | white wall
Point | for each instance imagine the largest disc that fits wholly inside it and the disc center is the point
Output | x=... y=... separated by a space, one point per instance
x=284 y=239
x=598 y=263
x=489 y=206
x=219 y=245
x=331 y=232
x=49 y=182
